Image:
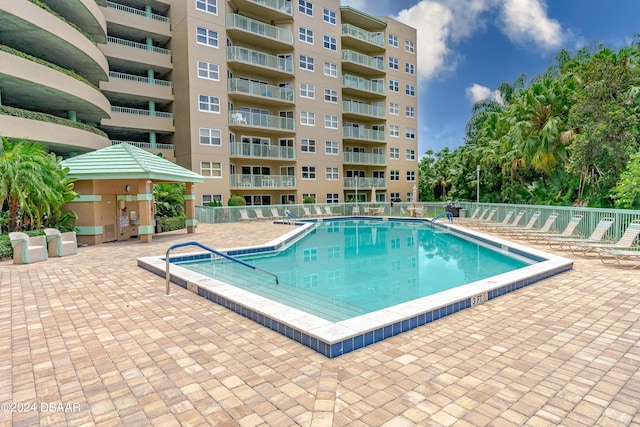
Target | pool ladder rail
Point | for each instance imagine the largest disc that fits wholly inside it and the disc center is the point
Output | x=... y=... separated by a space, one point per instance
x=213 y=251
x=449 y=215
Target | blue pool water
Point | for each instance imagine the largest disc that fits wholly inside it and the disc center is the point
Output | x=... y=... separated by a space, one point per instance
x=344 y=269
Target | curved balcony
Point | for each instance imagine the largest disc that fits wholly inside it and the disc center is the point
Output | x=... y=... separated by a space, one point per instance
x=360 y=63
x=244 y=120
x=257 y=33
x=84 y=13
x=362 y=40
x=34 y=86
x=131 y=23
x=137 y=57
x=123 y=87
x=260 y=63
x=58 y=137
x=244 y=149
x=361 y=134
x=32 y=30
x=364 y=159
x=249 y=91
x=135 y=118
x=365 y=183
x=359 y=111
x=272 y=182
x=362 y=88
x=271 y=10
x=168 y=150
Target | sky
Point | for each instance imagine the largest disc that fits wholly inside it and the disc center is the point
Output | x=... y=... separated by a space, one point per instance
x=467 y=48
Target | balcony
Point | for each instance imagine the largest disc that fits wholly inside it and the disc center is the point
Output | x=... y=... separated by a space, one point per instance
x=257 y=33
x=135 y=118
x=272 y=182
x=362 y=40
x=362 y=88
x=271 y=10
x=359 y=182
x=260 y=63
x=137 y=56
x=128 y=22
x=249 y=91
x=124 y=87
x=243 y=149
x=356 y=62
x=84 y=13
x=359 y=111
x=364 y=159
x=244 y=120
x=362 y=134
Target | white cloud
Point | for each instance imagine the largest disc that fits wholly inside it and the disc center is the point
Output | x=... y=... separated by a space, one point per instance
x=527 y=20
x=477 y=93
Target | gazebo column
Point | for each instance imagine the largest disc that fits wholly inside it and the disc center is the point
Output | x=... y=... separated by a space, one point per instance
x=190 y=208
x=145 y=214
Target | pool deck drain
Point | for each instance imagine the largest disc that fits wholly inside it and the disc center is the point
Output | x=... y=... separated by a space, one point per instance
x=95 y=329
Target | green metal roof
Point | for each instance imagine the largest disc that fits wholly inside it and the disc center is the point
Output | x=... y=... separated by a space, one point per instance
x=126 y=161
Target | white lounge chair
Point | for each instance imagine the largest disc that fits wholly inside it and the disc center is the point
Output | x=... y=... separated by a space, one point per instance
x=513 y=230
x=568 y=231
x=259 y=215
x=244 y=215
x=624 y=243
x=28 y=249
x=307 y=212
x=61 y=244
x=597 y=235
x=275 y=214
x=611 y=256
x=318 y=211
x=329 y=212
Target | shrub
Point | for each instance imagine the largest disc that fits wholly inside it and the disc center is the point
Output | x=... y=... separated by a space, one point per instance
x=309 y=200
x=172 y=223
x=6 y=250
x=237 y=201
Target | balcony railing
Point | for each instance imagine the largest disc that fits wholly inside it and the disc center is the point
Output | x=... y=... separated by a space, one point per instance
x=169 y=147
x=365 y=60
x=359 y=182
x=261 y=89
x=359 y=83
x=139 y=79
x=244 y=149
x=259 y=28
x=140 y=112
x=364 y=158
x=261 y=120
x=137 y=45
x=138 y=12
x=283 y=6
x=365 y=134
x=262 y=59
x=262 y=181
x=364 y=109
x=373 y=38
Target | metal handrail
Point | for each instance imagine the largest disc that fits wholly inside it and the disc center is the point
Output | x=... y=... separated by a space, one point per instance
x=213 y=251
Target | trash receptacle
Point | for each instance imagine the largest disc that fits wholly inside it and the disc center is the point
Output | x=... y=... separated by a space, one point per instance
x=158 y=225
x=463 y=213
x=454 y=208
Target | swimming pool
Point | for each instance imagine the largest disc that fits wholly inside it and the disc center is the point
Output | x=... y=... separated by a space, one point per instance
x=394 y=295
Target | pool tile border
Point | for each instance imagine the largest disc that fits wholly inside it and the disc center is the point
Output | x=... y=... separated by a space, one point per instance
x=335 y=339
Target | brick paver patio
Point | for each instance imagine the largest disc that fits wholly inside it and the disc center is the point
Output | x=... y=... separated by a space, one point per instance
x=92 y=340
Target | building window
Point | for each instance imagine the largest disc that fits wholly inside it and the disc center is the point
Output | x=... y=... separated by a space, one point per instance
x=211 y=169
x=209 y=6
x=206 y=37
x=306 y=63
x=393 y=63
x=307 y=118
x=411 y=176
x=331 y=95
x=307 y=90
x=308 y=145
x=394 y=131
x=209 y=104
x=410 y=133
x=211 y=198
x=210 y=137
x=410 y=112
x=409 y=46
x=329 y=16
x=395 y=197
x=393 y=40
x=394 y=153
x=330 y=43
x=333 y=198
x=394 y=108
x=331 y=174
x=409 y=68
x=410 y=90
x=394 y=86
x=305 y=35
x=308 y=172
x=330 y=121
x=411 y=154
x=394 y=175
x=209 y=71
x=331 y=147
x=330 y=69
x=309 y=195
x=305 y=7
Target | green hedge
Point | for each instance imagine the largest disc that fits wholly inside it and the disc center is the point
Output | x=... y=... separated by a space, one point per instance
x=32 y=115
x=173 y=223
x=6 y=250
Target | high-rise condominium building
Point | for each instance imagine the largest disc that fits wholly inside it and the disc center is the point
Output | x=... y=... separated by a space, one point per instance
x=272 y=100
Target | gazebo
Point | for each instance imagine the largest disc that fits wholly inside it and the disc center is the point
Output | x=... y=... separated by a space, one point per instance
x=116 y=193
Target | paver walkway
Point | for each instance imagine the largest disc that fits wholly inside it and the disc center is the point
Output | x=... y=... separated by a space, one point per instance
x=92 y=340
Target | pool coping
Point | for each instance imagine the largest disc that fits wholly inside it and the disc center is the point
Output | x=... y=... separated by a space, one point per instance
x=333 y=339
